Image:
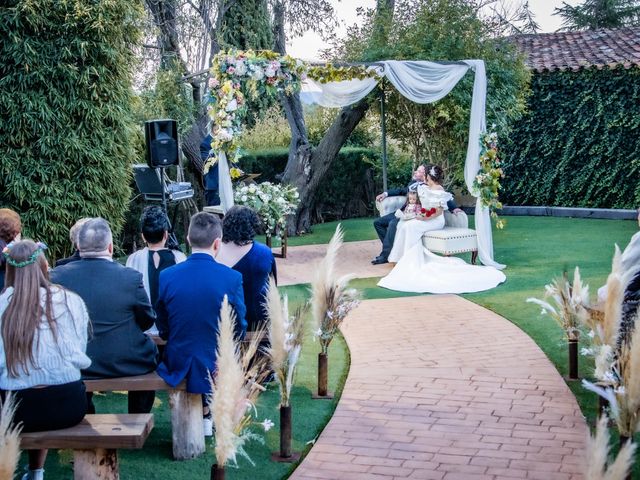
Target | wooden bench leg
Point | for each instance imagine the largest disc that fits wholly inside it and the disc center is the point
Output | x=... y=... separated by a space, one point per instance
x=474 y=257
x=186 y=424
x=100 y=463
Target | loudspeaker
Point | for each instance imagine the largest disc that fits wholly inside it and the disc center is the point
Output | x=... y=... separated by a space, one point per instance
x=161 y=138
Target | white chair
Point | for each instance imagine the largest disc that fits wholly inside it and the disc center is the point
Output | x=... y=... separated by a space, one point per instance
x=456 y=237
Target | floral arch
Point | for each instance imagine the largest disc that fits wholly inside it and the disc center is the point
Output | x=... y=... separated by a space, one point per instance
x=236 y=75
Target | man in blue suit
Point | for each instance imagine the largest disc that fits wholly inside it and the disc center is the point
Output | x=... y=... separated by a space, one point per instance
x=211 y=179
x=190 y=296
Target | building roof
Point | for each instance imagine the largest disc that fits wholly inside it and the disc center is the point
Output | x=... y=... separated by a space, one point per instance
x=584 y=49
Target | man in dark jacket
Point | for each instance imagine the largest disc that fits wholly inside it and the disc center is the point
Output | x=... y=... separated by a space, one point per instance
x=211 y=179
x=119 y=309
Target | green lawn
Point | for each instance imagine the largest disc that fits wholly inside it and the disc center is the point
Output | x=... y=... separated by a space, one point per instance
x=535 y=250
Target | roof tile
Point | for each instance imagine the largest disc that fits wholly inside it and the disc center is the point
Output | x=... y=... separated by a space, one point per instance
x=575 y=50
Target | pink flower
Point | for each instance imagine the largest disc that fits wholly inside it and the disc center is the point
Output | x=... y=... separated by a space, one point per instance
x=231 y=70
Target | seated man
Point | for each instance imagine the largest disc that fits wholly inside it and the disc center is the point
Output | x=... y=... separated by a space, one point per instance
x=189 y=300
x=73 y=236
x=119 y=310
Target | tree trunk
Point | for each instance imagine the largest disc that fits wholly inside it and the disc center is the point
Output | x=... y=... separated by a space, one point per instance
x=306 y=168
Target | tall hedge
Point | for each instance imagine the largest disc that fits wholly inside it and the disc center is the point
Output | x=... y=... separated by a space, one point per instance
x=579 y=145
x=66 y=129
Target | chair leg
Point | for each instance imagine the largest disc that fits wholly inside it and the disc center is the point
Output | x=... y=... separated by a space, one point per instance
x=474 y=257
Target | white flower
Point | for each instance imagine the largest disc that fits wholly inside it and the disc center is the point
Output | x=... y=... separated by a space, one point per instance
x=241 y=68
x=586 y=351
x=267 y=424
x=257 y=74
x=318 y=332
x=270 y=71
x=232 y=106
x=243 y=198
x=620 y=390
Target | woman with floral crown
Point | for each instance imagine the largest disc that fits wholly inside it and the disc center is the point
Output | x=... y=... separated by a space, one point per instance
x=42 y=347
x=419 y=270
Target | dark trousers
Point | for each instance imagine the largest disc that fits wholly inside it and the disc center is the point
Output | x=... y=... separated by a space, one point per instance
x=50 y=408
x=137 y=402
x=386 y=229
x=212 y=197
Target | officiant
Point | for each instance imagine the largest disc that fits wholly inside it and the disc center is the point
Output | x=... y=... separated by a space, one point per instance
x=211 y=178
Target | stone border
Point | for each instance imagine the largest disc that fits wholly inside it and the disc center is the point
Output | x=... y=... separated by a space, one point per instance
x=575 y=212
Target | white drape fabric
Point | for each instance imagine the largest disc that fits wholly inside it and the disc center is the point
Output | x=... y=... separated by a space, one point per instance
x=336 y=94
x=424 y=82
x=224 y=182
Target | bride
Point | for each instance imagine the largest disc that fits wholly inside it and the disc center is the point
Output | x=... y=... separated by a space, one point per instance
x=419 y=270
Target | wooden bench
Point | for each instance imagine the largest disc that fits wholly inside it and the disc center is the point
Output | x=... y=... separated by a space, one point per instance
x=186 y=409
x=95 y=442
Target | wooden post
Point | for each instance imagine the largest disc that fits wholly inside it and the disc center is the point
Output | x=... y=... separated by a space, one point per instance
x=217 y=473
x=323 y=378
x=186 y=424
x=285 y=454
x=100 y=463
x=573 y=359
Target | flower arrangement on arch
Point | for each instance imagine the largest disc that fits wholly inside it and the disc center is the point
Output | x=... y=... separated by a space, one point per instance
x=272 y=201
x=238 y=75
x=487 y=181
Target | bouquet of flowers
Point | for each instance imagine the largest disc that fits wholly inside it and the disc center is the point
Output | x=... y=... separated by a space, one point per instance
x=273 y=202
x=426 y=213
x=487 y=181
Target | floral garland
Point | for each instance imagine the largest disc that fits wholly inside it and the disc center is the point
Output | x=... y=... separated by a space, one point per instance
x=272 y=202
x=487 y=181
x=236 y=75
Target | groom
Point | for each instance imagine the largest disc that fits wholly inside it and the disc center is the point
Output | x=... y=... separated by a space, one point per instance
x=386 y=226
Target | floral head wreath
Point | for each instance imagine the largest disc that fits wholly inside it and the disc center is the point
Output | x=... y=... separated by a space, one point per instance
x=41 y=247
x=432 y=172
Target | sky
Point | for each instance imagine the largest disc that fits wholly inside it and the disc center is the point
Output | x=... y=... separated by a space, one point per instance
x=308 y=46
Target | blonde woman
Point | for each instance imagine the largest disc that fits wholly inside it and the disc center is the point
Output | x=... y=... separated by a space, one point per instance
x=42 y=347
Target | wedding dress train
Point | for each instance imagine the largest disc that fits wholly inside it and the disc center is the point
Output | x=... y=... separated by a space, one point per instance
x=422 y=271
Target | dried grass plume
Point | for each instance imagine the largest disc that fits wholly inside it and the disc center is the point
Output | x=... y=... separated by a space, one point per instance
x=597 y=456
x=9 y=439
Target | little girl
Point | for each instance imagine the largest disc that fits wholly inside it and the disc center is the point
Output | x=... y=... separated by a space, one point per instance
x=411 y=209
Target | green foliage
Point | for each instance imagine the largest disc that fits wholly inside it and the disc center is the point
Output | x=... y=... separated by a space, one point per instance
x=594 y=14
x=246 y=26
x=65 y=76
x=272 y=130
x=349 y=188
x=442 y=30
x=579 y=144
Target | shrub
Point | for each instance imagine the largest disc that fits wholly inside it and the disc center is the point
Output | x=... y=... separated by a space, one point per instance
x=579 y=144
x=65 y=76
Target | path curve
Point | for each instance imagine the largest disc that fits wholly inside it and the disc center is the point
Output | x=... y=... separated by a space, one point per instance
x=441 y=388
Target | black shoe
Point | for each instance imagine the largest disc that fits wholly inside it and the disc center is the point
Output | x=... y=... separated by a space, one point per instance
x=379 y=260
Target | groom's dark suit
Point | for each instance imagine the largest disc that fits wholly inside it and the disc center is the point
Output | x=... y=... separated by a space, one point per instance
x=386 y=226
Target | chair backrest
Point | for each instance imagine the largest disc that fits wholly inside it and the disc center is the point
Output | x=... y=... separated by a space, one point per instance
x=391 y=204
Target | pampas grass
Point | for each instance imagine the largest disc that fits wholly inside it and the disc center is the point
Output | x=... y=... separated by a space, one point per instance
x=571 y=303
x=597 y=456
x=235 y=392
x=9 y=439
x=331 y=301
x=285 y=336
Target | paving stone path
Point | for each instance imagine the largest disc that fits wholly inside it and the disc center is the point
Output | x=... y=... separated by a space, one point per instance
x=441 y=388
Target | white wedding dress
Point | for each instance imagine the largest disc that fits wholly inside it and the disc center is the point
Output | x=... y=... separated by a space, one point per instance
x=421 y=271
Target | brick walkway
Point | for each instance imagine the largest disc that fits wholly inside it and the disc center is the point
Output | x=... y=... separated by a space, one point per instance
x=353 y=257
x=441 y=388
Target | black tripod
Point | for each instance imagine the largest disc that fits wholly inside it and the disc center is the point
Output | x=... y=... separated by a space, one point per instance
x=172 y=240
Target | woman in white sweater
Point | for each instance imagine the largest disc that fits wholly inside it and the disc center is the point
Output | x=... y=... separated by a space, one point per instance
x=42 y=347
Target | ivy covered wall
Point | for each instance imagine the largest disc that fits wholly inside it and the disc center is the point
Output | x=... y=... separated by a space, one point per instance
x=579 y=143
